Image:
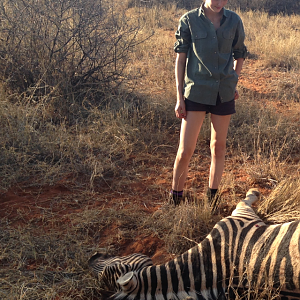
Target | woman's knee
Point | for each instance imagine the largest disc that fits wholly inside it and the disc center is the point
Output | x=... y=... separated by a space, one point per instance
x=218 y=148
x=184 y=154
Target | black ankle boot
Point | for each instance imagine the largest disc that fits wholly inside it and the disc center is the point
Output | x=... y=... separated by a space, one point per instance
x=176 y=197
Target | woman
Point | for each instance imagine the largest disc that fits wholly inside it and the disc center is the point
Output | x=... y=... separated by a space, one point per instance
x=210 y=54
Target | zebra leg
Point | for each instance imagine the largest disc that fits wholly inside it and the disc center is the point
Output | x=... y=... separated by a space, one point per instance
x=252 y=196
x=244 y=206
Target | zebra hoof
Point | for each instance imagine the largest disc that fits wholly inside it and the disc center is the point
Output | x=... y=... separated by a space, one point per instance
x=254 y=192
x=252 y=196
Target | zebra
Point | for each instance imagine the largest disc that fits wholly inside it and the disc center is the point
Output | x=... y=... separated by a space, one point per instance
x=240 y=253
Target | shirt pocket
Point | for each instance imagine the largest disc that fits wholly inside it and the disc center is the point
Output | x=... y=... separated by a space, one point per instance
x=226 y=41
x=200 y=42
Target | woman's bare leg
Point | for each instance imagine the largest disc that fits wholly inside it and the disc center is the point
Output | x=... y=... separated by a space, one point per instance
x=219 y=130
x=190 y=128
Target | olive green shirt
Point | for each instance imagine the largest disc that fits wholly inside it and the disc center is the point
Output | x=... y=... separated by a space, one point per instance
x=210 y=55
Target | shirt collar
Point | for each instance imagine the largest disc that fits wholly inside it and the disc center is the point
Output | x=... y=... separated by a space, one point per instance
x=201 y=10
x=225 y=12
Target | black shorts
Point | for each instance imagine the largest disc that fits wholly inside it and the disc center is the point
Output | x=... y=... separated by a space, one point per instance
x=221 y=109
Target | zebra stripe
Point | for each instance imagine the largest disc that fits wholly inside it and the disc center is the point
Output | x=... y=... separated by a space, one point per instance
x=294 y=249
x=192 y=271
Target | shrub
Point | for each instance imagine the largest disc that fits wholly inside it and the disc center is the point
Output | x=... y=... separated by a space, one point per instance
x=67 y=49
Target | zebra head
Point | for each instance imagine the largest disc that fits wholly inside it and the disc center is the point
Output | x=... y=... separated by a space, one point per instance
x=110 y=269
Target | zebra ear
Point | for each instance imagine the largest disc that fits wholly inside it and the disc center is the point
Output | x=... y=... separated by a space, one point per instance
x=127 y=281
x=123 y=280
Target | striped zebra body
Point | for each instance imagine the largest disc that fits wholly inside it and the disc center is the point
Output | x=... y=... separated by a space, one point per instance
x=240 y=253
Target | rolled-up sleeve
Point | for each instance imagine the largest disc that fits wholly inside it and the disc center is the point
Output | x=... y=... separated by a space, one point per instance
x=239 y=48
x=183 y=36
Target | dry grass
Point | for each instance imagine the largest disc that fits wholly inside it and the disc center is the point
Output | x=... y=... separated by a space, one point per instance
x=127 y=137
x=53 y=264
x=34 y=143
x=185 y=226
x=283 y=204
x=273 y=38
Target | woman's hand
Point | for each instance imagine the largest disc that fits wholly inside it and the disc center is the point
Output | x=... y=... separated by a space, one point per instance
x=236 y=95
x=180 y=111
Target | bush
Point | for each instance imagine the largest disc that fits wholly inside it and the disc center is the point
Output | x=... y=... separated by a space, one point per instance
x=67 y=49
